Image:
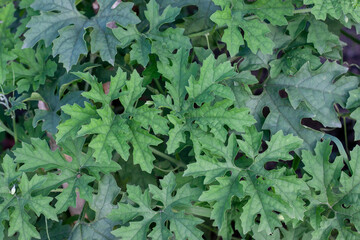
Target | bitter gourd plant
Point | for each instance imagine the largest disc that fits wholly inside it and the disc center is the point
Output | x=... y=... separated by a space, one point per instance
x=178 y=119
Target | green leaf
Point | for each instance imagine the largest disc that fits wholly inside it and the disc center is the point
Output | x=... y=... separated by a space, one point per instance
x=141 y=140
x=274 y=11
x=283 y=116
x=50 y=95
x=218 y=115
x=200 y=20
x=38 y=155
x=337 y=197
x=335 y=9
x=101 y=227
x=33 y=68
x=255 y=31
x=62 y=24
x=318 y=90
x=78 y=117
x=116 y=132
x=178 y=75
x=7 y=17
x=293 y=60
x=323 y=40
x=251 y=143
x=210 y=85
x=23 y=202
x=354 y=99
x=162 y=43
x=212 y=73
x=356 y=115
x=132 y=92
x=222 y=194
x=111 y=134
x=97 y=93
x=181 y=225
x=324 y=174
x=252 y=182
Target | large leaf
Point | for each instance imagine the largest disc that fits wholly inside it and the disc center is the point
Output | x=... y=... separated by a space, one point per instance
x=115 y=132
x=336 y=9
x=200 y=20
x=233 y=15
x=337 y=198
x=181 y=225
x=251 y=181
x=101 y=227
x=38 y=155
x=62 y=24
x=17 y=203
x=163 y=43
x=33 y=68
x=318 y=90
x=202 y=90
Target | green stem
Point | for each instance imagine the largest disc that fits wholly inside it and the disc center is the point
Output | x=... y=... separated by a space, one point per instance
x=303 y=10
x=158 y=85
x=208 y=228
x=47 y=229
x=164 y=170
x=346 y=137
x=199 y=211
x=351 y=37
x=167 y=157
x=8 y=130
x=207 y=40
x=153 y=90
x=14 y=127
x=202 y=33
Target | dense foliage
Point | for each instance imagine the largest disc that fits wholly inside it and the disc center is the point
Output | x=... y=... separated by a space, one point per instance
x=178 y=119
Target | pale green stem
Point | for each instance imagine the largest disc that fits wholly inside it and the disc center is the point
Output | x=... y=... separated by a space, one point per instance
x=8 y=130
x=199 y=211
x=14 y=127
x=303 y=10
x=167 y=157
x=47 y=229
x=158 y=85
x=207 y=40
x=346 y=137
